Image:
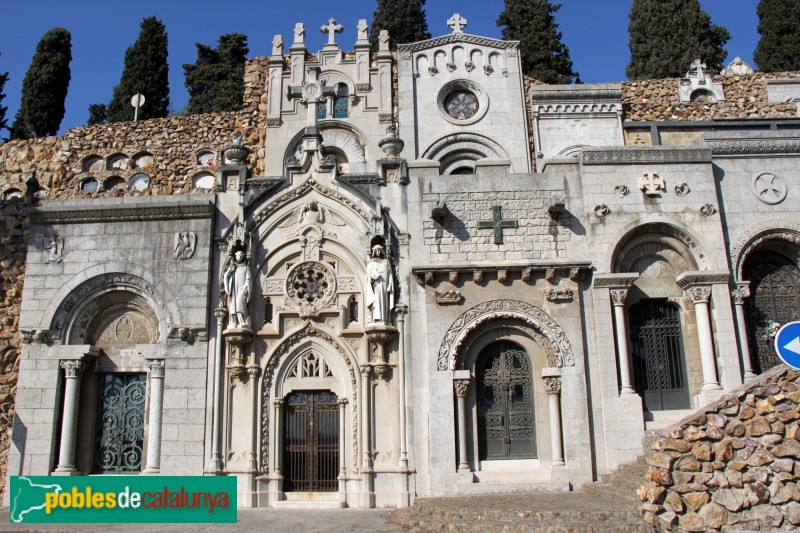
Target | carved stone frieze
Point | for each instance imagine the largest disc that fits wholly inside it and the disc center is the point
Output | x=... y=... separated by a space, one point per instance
x=560 y=294
x=612 y=281
x=460 y=330
x=756 y=147
x=703 y=277
x=614 y=156
x=456 y=38
x=451 y=297
x=118 y=213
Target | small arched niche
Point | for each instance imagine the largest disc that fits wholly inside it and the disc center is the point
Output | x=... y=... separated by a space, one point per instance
x=117 y=162
x=204 y=180
x=142 y=160
x=205 y=157
x=92 y=163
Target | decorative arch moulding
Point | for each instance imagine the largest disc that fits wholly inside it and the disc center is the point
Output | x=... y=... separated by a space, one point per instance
x=574 y=271
x=753 y=236
x=468 y=323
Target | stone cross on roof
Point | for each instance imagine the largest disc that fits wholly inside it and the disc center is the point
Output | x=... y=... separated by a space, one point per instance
x=362 y=28
x=457 y=22
x=311 y=94
x=277 y=46
x=383 y=40
x=299 y=33
x=332 y=28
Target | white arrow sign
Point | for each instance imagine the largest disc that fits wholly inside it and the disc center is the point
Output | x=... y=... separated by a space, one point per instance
x=793 y=346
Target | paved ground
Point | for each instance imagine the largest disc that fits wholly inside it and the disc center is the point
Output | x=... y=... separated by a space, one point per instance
x=261 y=520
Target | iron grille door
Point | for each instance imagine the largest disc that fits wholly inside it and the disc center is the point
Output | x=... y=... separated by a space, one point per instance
x=120 y=428
x=658 y=362
x=311 y=442
x=773 y=286
x=505 y=403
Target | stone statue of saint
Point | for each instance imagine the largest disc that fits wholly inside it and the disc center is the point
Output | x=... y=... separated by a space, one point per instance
x=238 y=286
x=380 y=286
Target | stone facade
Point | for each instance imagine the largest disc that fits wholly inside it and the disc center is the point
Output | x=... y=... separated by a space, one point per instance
x=475 y=279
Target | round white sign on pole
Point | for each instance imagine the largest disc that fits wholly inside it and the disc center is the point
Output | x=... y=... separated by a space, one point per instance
x=137 y=100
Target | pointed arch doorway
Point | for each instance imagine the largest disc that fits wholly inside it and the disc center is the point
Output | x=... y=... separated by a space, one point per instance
x=311 y=442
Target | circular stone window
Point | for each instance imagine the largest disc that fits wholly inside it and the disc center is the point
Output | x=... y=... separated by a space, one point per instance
x=310 y=284
x=462 y=102
x=769 y=188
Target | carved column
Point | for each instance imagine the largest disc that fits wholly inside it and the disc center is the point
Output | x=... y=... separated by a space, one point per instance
x=700 y=295
x=277 y=405
x=461 y=387
x=342 y=402
x=552 y=386
x=69 y=423
x=215 y=465
x=618 y=297
x=401 y=312
x=155 y=368
x=739 y=294
x=253 y=371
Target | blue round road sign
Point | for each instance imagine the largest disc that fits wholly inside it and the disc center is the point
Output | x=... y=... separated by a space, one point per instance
x=787 y=344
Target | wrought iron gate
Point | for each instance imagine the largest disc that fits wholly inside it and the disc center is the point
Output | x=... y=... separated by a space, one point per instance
x=311 y=442
x=505 y=403
x=659 y=365
x=774 y=296
x=120 y=426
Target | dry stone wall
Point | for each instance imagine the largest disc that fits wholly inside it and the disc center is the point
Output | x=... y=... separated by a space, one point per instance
x=732 y=466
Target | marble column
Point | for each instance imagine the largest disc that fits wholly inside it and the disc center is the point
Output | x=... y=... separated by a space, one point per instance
x=461 y=387
x=155 y=368
x=215 y=465
x=618 y=297
x=739 y=294
x=700 y=295
x=552 y=386
x=342 y=402
x=277 y=405
x=253 y=371
x=69 y=420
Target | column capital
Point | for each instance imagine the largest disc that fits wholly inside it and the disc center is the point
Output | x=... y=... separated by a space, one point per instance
x=552 y=385
x=740 y=292
x=155 y=367
x=366 y=370
x=461 y=386
x=341 y=402
x=72 y=367
x=699 y=294
x=254 y=371
x=618 y=296
x=220 y=313
x=278 y=402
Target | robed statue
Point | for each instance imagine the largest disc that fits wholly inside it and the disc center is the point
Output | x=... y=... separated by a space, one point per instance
x=238 y=286
x=379 y=286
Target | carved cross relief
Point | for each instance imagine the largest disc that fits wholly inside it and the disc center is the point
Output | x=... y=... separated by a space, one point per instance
x=652 y=184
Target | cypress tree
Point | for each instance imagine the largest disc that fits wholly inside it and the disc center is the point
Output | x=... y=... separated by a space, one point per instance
x=778 y=48
x=544 y=56
x=98 y=114
x=216 y=80
x=403 y=19
x=3 y=109
x=44 y=88
x=667 y=35
x=145 y=72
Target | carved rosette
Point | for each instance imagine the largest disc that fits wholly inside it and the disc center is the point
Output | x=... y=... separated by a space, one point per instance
x=618 y=296
x=310 y=286
x=155 y=367
x=72 y=368
x=552 y=385
x=699 y=294
x=461 y=386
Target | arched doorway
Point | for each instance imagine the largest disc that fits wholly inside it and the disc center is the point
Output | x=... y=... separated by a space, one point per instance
x=506 y=426
x=659 y=365
x=774 y=280
x=311 y=442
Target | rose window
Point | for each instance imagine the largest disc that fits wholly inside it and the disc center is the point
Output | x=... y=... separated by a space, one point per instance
x=310 y=284
x=461 y=105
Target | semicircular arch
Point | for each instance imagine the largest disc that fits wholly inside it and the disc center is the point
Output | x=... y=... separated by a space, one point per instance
x=782 y=235
x=668 y=242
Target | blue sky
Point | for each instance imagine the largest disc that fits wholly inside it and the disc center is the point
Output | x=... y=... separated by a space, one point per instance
x=595 y=31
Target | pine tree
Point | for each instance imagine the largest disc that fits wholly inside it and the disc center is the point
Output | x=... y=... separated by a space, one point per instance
x=544 y=56
x=667 y=35
x=98 y=114
x=145 y=72
x=44 y=88
x=403 y=19
x=216 y=80
x=778 y=49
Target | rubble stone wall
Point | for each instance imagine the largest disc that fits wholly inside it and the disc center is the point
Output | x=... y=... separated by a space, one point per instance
x=733 y=465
